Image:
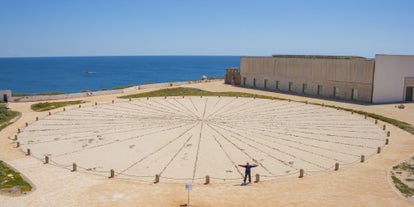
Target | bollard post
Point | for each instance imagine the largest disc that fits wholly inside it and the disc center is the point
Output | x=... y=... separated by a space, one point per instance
x=183 y=96
x=17 y=144
x=352 y=111
x=201 y=96
x=157 y=178
x=74 y=167
x=365 y=116
x=37 y=118
x=112 y=173
x=15 y=137
x=301 y=173
x=237 y=97
x=96 y=103
x=50 y=113
x=27 y=124
x=336 y=166
x=289 y=100
x=207 y=180
x=80 y=106
x=46 y=160
x=64 y=109
x=388 y=134
x=165 y=97
x=376 y=121
x=28 y=152
x=306 y=102
x=18 y=130
x=362 y=158
x=257 y=178
x=383 y=127
x=387 y=141
x=378 y=150
x=113 y=101
x=130 y=99
x=147 y=98
x=323 y=104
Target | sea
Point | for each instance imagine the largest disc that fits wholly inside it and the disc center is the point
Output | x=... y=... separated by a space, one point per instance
x=75 y=74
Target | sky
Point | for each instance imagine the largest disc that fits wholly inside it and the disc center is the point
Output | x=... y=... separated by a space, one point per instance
x=32 y=28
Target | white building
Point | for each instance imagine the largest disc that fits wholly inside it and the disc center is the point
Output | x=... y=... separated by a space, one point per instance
x=5 y=95
x=393 y=78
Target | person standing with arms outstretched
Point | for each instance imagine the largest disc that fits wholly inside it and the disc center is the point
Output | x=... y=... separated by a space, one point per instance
x=247 y=172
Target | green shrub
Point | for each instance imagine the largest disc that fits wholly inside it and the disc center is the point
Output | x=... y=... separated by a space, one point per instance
x=46 y=106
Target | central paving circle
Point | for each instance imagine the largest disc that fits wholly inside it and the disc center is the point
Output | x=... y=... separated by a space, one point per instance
x=185 y=139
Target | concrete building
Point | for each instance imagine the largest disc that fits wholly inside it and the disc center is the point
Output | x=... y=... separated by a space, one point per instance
x=388 y=78
x=393 y=78
x=5 y=95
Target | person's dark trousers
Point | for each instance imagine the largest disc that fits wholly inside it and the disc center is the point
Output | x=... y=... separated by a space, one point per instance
x=245 y=177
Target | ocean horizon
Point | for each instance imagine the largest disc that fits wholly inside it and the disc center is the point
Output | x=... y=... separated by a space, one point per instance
x=72 y=74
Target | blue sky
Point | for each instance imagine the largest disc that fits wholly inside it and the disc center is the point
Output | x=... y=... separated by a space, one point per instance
x=213 y=27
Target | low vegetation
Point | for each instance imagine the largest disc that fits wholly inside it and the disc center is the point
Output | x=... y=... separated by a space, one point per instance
x=46 y=106
x=6 y=116
x=181 y=91
x=402 y=176
x=36 y=94
x=214 y=78
x=122 y=87
x=10 y=179
x=402 y=187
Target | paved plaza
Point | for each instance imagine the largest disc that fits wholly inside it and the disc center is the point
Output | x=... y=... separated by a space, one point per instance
x=185 y=139
x=173 y=137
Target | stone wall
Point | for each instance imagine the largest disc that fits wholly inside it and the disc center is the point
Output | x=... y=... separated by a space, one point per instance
x=232 y=76
x=342 y=77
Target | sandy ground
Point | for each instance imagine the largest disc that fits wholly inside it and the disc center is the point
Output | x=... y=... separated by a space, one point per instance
x=363 y=184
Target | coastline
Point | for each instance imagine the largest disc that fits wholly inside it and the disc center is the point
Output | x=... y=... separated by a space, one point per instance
x=35 y=98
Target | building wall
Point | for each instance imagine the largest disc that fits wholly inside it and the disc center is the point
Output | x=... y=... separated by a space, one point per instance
x=347 y=74
x=393 y=73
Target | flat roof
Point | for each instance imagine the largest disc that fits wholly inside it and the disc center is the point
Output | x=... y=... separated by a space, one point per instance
x=318 y=56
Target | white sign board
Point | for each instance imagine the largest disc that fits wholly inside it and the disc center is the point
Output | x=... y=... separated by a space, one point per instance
x=188 y=186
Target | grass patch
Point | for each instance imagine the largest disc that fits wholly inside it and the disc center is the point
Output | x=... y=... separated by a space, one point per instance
x=214 y=78
x=122 y=87
x=9 y=178
x=46 y=106
x=36 y=94
x=5 y=116
x=181 y=91
x=403 y=188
